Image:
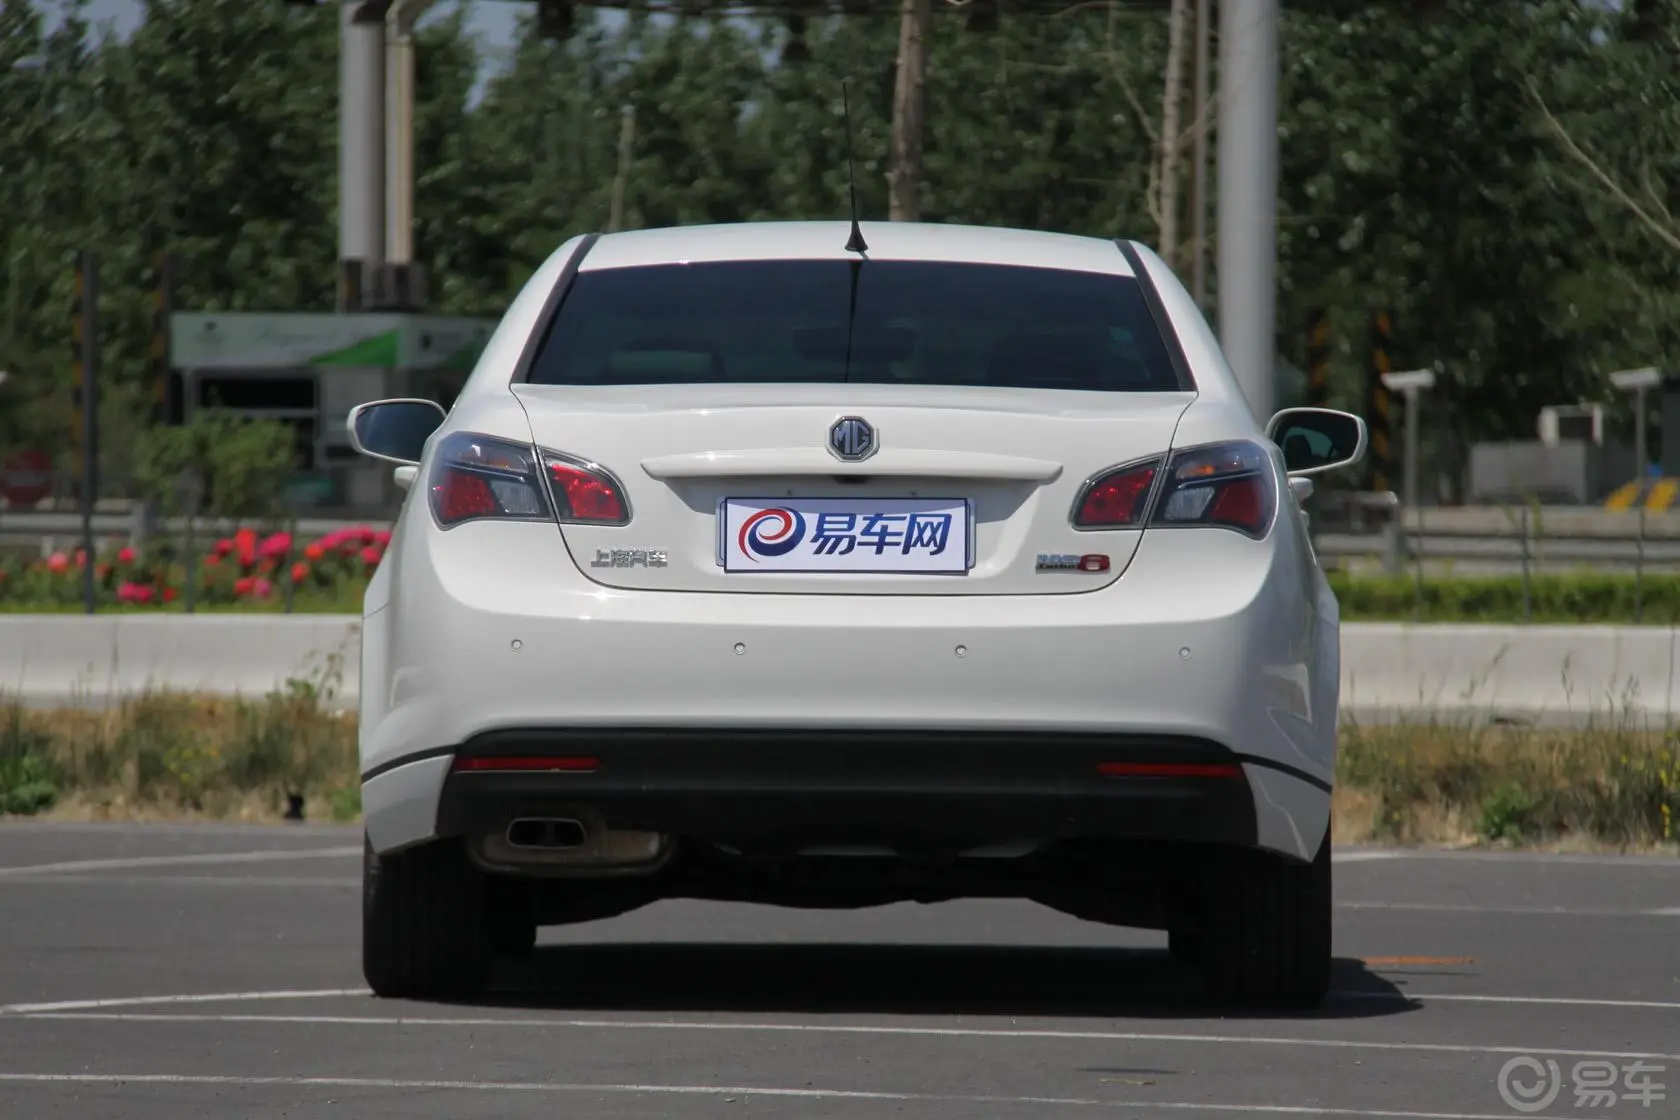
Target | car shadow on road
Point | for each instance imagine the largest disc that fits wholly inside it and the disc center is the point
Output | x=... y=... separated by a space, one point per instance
x=895 y=979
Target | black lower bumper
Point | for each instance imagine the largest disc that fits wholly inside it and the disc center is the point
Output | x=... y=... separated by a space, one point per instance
x=777 y=792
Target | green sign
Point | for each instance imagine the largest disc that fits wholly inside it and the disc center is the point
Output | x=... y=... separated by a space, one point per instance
x=257 y=340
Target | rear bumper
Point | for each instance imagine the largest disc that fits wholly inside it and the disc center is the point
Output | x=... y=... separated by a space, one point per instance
x=1236 y=660
x=927 y=795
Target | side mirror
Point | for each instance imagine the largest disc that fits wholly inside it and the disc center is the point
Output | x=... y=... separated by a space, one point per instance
x=1315 y=440
x=394 y=430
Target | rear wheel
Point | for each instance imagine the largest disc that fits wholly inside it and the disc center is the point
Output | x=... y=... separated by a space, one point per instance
x=1265 y=936
x=424 y=928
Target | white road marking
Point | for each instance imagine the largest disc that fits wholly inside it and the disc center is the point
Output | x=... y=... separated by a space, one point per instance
x=153 y=1001
x=183 y=881
x=267 y=855
x=1364 y=855
x=749 y=1091
x=838 y=1029
x=1466 y=908
x=1551 y=1001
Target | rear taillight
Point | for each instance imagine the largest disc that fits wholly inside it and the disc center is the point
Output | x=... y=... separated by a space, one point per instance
x=1119 y=499
x=1227 y=485
x=476 y=478
x=1224 y=485
x=584 y=492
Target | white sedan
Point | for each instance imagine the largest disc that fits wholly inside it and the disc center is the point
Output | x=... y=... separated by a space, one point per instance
x=755 y=564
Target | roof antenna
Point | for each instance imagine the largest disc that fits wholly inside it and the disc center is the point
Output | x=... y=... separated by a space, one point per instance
x=855 y=243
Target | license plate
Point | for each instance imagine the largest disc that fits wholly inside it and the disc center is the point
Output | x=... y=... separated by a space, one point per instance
x=876 y=536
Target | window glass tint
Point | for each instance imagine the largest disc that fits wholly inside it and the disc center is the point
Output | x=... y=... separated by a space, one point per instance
x=916 y=323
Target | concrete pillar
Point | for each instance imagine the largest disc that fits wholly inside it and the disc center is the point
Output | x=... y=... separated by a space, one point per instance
x=399 y=134
x=361 y=138
x=1247 y=207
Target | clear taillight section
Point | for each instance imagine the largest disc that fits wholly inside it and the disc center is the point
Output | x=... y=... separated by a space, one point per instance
x=1222 y=485
x=477 y=478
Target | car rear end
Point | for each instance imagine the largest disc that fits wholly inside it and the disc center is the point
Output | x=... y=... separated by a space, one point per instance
x=928 y=570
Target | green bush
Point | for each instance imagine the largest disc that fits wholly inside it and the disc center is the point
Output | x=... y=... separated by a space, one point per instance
x=1585 y=597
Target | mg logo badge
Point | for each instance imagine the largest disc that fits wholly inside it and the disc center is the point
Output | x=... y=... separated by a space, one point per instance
x=851 y=439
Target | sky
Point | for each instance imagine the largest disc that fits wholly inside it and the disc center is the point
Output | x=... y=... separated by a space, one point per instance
x=492 y=22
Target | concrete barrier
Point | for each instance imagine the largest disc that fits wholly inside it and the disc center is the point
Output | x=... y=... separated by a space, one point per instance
x=71 y=659
x=1389 y=671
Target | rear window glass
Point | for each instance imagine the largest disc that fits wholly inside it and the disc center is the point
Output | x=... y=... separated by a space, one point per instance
x=914 y=323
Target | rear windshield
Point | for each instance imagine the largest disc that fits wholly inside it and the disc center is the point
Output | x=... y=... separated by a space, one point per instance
x=914 y=323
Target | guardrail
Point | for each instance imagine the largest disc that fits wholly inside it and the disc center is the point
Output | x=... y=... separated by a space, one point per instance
x=1360 y=531
x=1389 y=671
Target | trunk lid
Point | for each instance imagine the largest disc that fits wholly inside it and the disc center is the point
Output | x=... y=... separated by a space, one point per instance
x=733 y=487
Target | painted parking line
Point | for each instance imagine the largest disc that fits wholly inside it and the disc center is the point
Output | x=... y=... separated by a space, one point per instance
x=1006 y=1034
x=156 y=1001
x=266 y=855
x=732 y=1092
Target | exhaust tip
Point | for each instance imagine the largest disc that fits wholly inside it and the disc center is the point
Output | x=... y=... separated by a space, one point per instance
x=549 y=833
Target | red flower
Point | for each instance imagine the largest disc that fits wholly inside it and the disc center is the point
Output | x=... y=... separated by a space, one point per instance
x=58 y=562
x=370 y=555
x=244 y=585
x=212 y=560
x=315 y=551
x=223 y=547
x=246 y=542
x=169 y=594
x=300 y=572
x=125 y=556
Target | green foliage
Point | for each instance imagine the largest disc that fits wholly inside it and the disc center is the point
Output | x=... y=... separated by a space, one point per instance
x=1586 y=597
x=1418 y=175
x=27 y=776
x=219 y=463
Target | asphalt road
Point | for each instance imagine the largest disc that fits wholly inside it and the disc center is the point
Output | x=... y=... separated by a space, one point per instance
x=203 y=971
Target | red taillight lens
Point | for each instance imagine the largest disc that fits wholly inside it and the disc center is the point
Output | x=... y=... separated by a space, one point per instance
x=459 y=496
x=505 y=763
x=1169 y=770
x=476 y=477
x=1117 y=500
x=584 y=493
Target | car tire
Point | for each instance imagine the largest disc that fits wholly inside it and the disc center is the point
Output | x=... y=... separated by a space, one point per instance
x=1265 y=938
x=1185 y=945
x=424 y=933
x=512 y=921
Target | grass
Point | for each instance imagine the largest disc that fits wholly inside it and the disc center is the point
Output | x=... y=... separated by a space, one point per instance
x=1614 y=785
x=1583 y=597
x=175 y=755
x=338 y=600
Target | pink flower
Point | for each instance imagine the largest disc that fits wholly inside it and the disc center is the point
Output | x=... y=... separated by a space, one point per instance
x=262 y=589
x=58 y=562
x=134 y=593
x=333 y=539
x=382 y=538
x=224 y=546
x=370 y=555
x=125 y=556
x=276 y=546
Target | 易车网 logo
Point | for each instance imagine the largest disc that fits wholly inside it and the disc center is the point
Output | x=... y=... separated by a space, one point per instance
x=771 y=532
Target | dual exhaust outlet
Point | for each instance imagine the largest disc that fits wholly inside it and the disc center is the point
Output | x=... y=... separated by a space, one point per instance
x=547 y=833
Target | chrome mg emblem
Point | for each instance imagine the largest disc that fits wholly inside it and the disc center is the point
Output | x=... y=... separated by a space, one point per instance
x=851 y=439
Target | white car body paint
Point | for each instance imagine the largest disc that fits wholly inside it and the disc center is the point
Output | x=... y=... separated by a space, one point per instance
x=1192 y=631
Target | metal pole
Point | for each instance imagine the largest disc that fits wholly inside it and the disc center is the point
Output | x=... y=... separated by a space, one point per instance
x=1411 y=507
x=1411 y=449
x=1198 y=182
x=90 y=421
x=1247 y=214
x=1644 y=477
x=361 y=140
